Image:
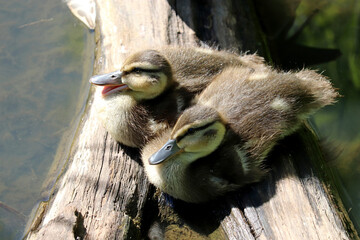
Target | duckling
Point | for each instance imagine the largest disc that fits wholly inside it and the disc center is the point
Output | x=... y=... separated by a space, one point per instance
x=219 y=144
x=154 y=86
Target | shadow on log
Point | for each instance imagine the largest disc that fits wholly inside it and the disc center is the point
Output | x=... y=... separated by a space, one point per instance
x=104 y=193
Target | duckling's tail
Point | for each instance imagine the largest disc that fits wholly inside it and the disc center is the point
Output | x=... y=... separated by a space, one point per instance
x=320 y=88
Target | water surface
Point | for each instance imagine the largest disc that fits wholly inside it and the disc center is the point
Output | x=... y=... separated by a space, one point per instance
x=43 y=54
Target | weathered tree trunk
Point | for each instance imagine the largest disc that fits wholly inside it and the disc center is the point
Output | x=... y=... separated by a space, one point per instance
x=104 y=193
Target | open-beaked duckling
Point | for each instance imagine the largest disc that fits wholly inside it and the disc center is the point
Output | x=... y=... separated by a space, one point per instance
x=219 y=144
x=154 y=86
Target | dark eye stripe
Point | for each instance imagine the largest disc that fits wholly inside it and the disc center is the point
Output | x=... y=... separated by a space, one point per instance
x=193 y=130
x=201 y=127
x=144 y=70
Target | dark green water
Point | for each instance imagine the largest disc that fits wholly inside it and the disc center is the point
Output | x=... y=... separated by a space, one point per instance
x=44 y=51
x=337 y=25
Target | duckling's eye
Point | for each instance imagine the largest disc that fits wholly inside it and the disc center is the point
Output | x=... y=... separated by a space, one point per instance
x=191 y=130
x=194 y=129
x=144 y=70
x=137 y=70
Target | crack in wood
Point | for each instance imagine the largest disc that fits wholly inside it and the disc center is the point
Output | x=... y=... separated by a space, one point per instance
x=79 y=229
x=96 y=186
x=251 y=227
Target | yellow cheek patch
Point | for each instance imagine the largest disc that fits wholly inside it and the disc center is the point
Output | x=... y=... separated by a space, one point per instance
x=204 y=141
x=146 y=85
x=138 y=83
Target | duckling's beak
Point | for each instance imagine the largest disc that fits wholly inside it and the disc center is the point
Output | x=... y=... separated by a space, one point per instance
x=112 y=82
x=168 y=150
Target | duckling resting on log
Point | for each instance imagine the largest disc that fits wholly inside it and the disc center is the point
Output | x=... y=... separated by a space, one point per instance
x=154 y=86
x=219 y=144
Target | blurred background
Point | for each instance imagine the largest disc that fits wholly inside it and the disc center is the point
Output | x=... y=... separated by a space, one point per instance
x=337 y=26
x=46 y=57
x=324 y=35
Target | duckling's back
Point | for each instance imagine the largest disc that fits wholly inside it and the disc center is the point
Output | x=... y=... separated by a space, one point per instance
x=194 y=68
x=264 y=105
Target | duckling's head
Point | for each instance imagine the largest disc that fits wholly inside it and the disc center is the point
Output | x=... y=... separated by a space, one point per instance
x=144 y=75
x=198 y=132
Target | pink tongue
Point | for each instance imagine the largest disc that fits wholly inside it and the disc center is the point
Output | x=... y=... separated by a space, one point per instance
x=107 y=89
x=113 y=88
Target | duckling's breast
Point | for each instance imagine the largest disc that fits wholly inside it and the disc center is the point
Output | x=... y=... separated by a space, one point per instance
x=123 y=119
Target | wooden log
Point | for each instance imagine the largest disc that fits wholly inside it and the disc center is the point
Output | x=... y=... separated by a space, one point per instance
x=104 y=193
